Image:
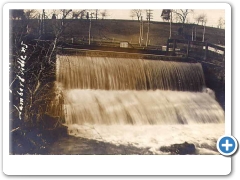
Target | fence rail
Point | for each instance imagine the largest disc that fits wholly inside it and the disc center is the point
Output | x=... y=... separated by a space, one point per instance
x=204 y=50
x=174 y=47
x=106 y=42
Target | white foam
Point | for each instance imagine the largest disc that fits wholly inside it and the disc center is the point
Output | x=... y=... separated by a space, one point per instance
x=140 y=107
x=204 y=136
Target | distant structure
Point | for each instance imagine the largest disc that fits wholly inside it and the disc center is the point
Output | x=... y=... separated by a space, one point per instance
x=166 y=14
x=124 y=44
x=54 y=16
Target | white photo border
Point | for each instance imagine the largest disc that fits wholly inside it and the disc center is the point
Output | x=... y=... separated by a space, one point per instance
x=114 y=164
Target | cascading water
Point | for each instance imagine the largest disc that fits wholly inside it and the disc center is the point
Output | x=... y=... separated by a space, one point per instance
x=111 y=94
x=140 y=107
x=78 y=72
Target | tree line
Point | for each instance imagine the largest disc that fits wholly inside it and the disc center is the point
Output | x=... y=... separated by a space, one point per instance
x=21 y=14
x=178 y=16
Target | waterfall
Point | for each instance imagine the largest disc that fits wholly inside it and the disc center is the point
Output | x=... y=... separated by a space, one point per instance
x=79 y=72
x=140 y=107
x=137 y=102
x=101 y=90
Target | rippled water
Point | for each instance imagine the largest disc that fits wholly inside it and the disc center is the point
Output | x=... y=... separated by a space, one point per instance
x=203 y=136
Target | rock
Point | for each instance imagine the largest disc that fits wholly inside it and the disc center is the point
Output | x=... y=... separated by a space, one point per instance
x=210 y=92
x=182 y=149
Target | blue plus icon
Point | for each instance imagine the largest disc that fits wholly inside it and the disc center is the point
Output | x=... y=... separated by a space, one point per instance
x=227 y=145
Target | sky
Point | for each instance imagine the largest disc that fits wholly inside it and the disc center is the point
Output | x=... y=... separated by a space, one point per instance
x=212 y=15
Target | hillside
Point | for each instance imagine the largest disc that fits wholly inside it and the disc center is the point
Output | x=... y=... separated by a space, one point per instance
x=123 y=30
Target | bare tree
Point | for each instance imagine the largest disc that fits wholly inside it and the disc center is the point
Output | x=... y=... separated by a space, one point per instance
x=96 y=13
x=137 y=13
x=53 y=13
x=65 y=13
x=33 y=96
x=201 y=18
x=60 y=13
x=31 y=13
x=91 y=13
x=75 y=14
x=132 y=15
x=104 y=13
x=182 y=14
x=78 y=13
x=198 y=19
x=175 y=18
x=221 y=23
x=17 y=14
x=82 y=14
x=32 y=71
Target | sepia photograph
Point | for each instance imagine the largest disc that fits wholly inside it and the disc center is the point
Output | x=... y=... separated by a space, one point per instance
x=116 y=81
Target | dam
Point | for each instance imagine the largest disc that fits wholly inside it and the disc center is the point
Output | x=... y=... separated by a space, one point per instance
x=141 y=102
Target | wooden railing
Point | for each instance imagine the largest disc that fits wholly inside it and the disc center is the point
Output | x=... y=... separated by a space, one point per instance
x=107 y=42
x=188 y=48
x=175 y=47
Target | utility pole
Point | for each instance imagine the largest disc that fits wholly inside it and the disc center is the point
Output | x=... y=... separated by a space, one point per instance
x=192 y=32
x=147 y=34
x=89 y=31
x=39 y=24
x=149 y=17
x=42 y=23
x=170 y=34
x=195 y=33
x=141 y=32
x=96 y=14
x=204 y=32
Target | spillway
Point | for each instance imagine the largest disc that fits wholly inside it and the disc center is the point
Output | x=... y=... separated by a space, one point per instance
x=115 y=93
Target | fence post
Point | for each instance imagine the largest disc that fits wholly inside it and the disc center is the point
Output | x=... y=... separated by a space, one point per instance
x=188 y=48
x=167 y=45
x=224 y=55
x=206 y=51
x=174 y=45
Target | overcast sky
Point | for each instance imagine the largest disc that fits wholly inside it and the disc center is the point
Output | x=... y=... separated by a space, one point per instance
x=212 y=15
